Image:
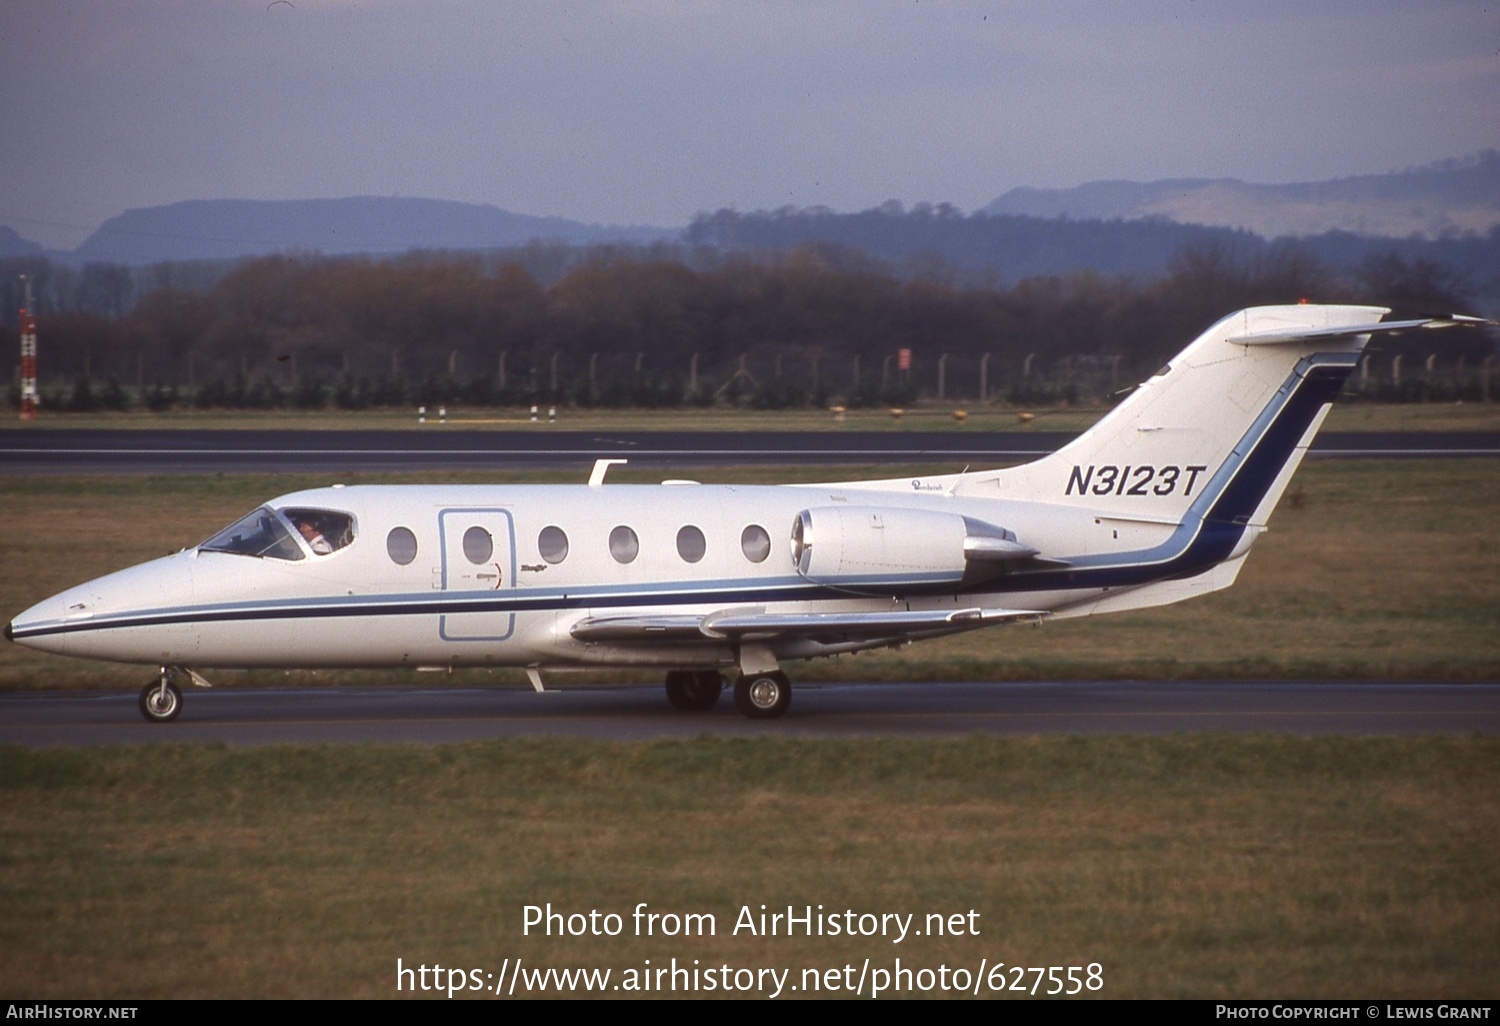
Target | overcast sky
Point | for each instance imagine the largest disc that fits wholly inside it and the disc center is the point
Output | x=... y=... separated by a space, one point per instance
x=648 y=112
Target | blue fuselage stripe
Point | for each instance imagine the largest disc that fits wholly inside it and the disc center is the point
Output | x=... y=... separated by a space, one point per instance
x=1208 y=535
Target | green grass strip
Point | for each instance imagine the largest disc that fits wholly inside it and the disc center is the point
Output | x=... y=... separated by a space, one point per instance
x=1199 y=865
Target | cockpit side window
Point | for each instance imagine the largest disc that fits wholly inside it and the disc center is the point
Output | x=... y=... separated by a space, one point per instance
x=261 y=533
x=323 y=530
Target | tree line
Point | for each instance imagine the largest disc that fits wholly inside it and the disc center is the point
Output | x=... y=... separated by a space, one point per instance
x=669 y=325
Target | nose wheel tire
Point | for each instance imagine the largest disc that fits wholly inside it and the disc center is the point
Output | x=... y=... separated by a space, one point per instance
x=762 y=696
x=694 y=692
x=160 y=704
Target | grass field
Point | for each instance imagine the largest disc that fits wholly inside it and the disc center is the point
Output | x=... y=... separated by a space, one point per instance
x=1374 y=569
x=1192 y=866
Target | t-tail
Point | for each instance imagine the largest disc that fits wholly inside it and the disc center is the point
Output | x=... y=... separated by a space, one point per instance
x=1238 y=406
x=1223 y=426
x=1179 y=479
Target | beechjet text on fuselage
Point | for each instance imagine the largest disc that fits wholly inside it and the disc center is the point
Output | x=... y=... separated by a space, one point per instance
x=1159 y=502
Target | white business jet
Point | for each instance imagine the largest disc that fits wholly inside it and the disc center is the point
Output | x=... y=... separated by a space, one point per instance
x=1159 y=502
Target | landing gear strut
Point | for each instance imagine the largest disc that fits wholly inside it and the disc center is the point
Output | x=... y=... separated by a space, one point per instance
x=762 y=696
x=161 y=700
x=694 y=692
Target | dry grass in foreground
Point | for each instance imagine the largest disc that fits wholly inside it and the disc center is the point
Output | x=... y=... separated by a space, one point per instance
x=1202 y=866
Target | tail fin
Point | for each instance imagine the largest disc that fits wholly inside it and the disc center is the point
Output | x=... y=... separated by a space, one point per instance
x=1217 y=432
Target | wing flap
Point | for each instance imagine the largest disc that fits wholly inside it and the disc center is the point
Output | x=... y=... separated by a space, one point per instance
x=638 y=628
x=759 y=625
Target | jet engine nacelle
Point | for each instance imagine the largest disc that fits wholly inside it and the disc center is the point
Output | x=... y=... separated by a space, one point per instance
x=875 y=545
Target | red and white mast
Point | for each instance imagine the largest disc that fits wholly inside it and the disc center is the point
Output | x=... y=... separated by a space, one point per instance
x=28 y=356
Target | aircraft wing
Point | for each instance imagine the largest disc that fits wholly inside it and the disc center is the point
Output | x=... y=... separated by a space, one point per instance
x=741 y=625
x=1267 y=338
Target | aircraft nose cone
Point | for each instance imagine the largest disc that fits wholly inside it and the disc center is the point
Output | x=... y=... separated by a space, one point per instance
x=9 y=634
x=92 y=620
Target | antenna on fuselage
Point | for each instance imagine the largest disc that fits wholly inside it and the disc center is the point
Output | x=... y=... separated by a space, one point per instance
x=601 y=467
x=953 y=488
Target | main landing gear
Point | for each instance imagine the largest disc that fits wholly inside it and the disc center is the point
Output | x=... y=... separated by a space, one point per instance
x=762 y=696
x=161 y=700
x=694 y=692
x=758 y=696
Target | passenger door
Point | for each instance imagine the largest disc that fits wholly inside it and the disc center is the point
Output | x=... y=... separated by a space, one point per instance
x=478 y=572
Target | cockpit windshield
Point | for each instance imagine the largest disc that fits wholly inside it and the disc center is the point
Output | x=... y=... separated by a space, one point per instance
x=269 y=533
x=261 y=533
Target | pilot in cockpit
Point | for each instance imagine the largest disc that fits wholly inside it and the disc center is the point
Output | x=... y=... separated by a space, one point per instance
x=313 y=536
x=323 y=530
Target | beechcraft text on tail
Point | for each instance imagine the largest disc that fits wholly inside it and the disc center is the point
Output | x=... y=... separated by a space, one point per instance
x=1159 y=502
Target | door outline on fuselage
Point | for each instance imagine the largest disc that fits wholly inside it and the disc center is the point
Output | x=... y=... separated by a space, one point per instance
x=486 y=517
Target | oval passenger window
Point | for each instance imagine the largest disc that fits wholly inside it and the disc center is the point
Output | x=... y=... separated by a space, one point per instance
x=690 y=544
x=623 y=544
x=755 y=543
x=478 y=545
x=552 y=543
x=401 y=545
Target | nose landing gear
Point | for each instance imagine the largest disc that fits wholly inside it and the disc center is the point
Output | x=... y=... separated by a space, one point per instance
x=161 y=700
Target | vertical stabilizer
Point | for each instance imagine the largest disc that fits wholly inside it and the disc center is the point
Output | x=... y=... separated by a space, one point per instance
x=1217 y=432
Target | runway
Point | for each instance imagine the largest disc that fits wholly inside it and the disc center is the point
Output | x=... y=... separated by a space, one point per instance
x=638 y=713
x=98 y=451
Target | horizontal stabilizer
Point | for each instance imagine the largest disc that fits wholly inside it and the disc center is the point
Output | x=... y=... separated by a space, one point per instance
x=732 y=624
x=1298 y=335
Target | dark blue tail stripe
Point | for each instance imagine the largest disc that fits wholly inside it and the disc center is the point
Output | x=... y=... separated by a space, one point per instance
x=1262 y=454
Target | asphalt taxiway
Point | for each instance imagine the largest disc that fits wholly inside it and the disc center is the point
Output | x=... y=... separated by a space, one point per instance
x=435 y=715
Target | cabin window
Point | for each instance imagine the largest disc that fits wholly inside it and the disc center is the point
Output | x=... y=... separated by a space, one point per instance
x=478 y=545
x=262 y=534
x=401 y=545
x=624 y=545
x=690 y=544
x=755 y=543
x=323 y=530
x=552 y=543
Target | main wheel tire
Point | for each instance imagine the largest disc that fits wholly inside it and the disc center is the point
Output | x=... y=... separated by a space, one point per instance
x=160 y=708
x=678 y=684
x=762 y=696
x=694 y=692
x=710 y=686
